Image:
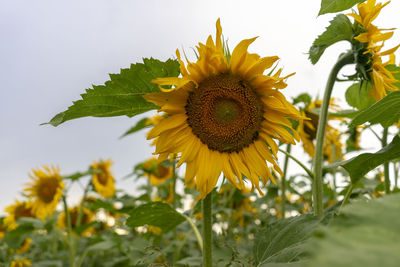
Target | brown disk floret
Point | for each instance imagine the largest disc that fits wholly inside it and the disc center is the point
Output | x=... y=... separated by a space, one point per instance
x=225 y=113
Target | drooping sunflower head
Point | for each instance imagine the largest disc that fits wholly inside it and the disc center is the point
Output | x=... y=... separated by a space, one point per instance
x=20 y=263
x=103 y=181
x=86 y=218
x=222 y=115
x=157 y=172
x=46 y=190
x=17 y=210
x=369 y=43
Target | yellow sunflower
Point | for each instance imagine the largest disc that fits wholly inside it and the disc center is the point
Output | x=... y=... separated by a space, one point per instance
x=16 y=211
x=158 y=173
x=373 y=39
x=222 y=115
x=103 y=181
x=45 y=190
x=3 y=228
x=87 y=217
x=20 y=263
x=25 y=246
x=332 y=148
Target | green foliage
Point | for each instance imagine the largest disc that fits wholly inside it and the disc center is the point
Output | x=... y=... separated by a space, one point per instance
x=340 y=29
x=358 y=95
x=157 y=214
x=333 y=6
x=302 y=98
x=138 y=126
x=386 y=112
x=283 y=241
x=362 y=164
x=395 y=70
x=122 y=94
x=367 y=233
x=78 y=175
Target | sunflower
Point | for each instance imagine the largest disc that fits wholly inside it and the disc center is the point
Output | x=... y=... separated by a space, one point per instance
x=46 y=190
x=17 y=210
x=370 y=56
x=87 y=217
x=332 y=148
x=157 y=172
x=104 y=180
x=3 y=228
x=25 y=246
x=222 y=115
x=20 y=263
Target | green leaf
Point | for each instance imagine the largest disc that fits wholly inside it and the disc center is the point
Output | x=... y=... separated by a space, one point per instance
x=283 y=241
x=340 y=29
x=333 y=6
x=363 y=163
x=103 y=245
x=139 y=126
x=122 y=95
x=395 y=70
x=359 y=96
x=157 y=214
x=78 y=175
x=386 y=112
x=15 y=237
x=366 y=234
x=302 y=98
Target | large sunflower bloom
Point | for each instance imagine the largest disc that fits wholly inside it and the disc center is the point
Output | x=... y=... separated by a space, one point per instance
x=103 y=181
x=374 y=39
x=332 y=148
x=222 y=114
x=17 y=210
x=45 y=190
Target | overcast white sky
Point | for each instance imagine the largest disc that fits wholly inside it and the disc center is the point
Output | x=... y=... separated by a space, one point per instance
x=50 y=51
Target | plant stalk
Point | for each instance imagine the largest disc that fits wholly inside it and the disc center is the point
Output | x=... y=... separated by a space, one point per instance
x=71 y=244
x=386 y=164
x=174 y=176
x=283 y=188
x=346 y=197
x=207 y=230
x=348 y=58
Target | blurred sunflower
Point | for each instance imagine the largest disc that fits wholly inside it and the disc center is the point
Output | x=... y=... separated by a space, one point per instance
x=222 y=114
x=157 y=172
x=332 y=148
x=25 y=246
x=103 y=181
x=20 y=263
x=2 y=228
x=86 y=218
x=370 y=55
x=16 y=211
x=45 y=190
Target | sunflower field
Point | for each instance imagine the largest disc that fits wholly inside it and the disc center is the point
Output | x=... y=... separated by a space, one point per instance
x=223 y=186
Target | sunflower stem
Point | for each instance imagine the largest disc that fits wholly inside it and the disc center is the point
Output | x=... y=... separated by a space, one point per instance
x=71 y=244
x=283 y=188
x=207 y=230
x=174 y=176
x=386 y=164
x=346 y=197
x=347 y=58
x=80 y=214
x=307 y=170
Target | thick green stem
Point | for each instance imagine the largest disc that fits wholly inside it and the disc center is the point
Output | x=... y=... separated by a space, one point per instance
x=346 y=197
x=207 y=231
x=283 y=188
x=71 y=244
x=174 y=176
x=386 y=164
x=348 y=58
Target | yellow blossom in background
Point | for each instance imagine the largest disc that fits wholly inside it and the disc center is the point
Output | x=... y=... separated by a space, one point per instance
x=332 y=148
x=103 y=181
x=222 y=115
x=45 y=190
x=374 y=39
x=17 y=210
x=154 y=229
x=20 y=263
x=156 y=171
x=86 y=218
x=25 y=246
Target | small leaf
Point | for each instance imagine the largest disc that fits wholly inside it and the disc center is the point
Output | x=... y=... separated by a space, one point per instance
x=386 y=112
x=103 y=245
x=157 y=214
x=359 y=96
x=282 y=241
x=122 y=94
x=366 y=234
x=139 y=126
x=340 y=29
x=78 y=175
x=333 y=6
x=395 y=70
x=302 y=98
x=362 y=164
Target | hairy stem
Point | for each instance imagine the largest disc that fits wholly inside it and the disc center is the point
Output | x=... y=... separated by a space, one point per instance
x=207 y=231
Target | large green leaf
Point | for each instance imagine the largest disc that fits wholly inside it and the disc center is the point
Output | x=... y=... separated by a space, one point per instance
x=363 y=163
x=359 y=96
x=333 y=6
x=340 y=29
x=386 y=111
x=122 y=94
x=367 y=234
x=157 y=214
x=283 y=241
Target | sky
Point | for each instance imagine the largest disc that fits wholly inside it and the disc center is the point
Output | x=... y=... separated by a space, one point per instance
x=51 y=51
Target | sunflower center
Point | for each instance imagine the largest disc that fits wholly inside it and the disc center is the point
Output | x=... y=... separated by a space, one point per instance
x=225 y=113
x=22 y=211
x=102 y=176
x=47 y=189
x=312 y=132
